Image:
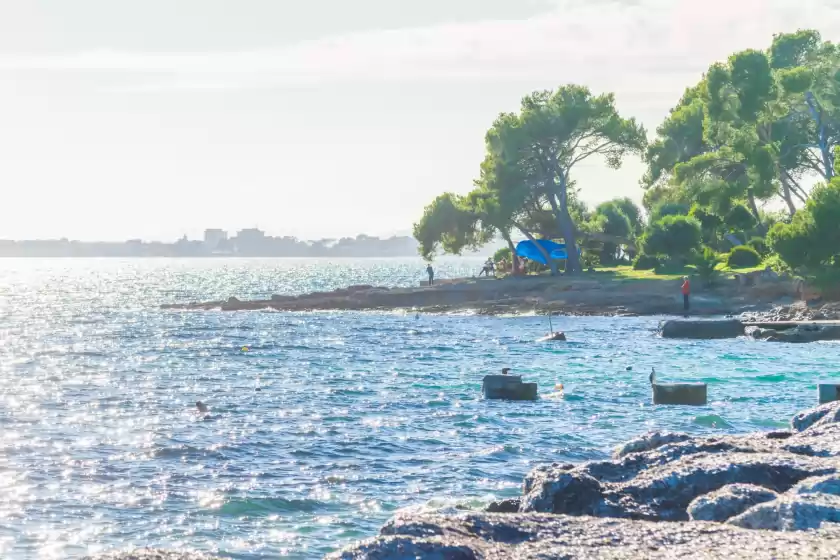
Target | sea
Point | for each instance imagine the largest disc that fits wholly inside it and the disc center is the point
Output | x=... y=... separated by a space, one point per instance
x=321 y=426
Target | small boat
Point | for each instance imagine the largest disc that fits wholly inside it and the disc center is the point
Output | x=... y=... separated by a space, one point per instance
x=553 y=336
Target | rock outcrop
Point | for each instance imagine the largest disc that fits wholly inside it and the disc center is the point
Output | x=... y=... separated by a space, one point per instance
x=713 y=491
x=728 y=502
x=539 y=536
x=798 y=334
x=706 y=330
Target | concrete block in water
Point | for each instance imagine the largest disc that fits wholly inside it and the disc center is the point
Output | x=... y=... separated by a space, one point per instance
x=508 y=387
x=691 y=394
x=829 y=392
x=703 y=329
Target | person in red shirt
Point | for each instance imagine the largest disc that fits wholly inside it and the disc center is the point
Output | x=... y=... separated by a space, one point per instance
x=686 y=291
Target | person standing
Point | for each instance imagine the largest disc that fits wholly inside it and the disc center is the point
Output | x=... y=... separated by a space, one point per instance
x=431 y=272
x=686 y=292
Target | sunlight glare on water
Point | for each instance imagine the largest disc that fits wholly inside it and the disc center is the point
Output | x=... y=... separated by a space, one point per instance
x=358 y=414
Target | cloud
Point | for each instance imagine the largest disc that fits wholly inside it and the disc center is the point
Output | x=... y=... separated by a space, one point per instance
x=633 y=45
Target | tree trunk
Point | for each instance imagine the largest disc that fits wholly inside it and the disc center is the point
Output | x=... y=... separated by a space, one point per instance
x=551 y=262
x=514 y=256
x=754 y=210
x=786 y=195
x=567 y=228
x=825 y=151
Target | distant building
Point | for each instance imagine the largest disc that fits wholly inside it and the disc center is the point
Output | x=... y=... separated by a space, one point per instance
x=250 y=241
x=214 y=237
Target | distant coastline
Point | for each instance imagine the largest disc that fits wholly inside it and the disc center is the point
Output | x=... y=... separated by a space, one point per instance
x=217 y=244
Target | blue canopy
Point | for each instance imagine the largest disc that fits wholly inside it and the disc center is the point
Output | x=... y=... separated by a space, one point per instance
x=529 y=250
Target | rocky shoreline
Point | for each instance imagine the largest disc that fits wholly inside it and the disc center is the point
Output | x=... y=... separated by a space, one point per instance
x=773 y=495
x=593 y=294
x=663 y=495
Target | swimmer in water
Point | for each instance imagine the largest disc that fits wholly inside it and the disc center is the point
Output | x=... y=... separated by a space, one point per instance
x=201 y=407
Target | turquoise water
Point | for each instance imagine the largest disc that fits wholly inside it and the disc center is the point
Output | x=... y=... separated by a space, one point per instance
x=358 y=416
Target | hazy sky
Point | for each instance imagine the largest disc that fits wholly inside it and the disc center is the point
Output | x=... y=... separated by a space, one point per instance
x=317 y=118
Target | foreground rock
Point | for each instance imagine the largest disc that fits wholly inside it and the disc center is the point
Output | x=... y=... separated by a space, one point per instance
x=728 y=502
x=785 y=481
x=537 y=536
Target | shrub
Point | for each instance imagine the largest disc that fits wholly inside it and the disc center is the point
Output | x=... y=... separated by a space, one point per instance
x=743 y=256
x=668 y=209
x=739 y=218
x=777 y=265
x=759 y=245
x=674 y=236
x=503 y=253
x=645 y=262
x=705 y=266
x=590 y=259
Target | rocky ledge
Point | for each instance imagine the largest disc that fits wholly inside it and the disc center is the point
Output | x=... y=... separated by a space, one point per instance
x=589 y=294
x=663 y=495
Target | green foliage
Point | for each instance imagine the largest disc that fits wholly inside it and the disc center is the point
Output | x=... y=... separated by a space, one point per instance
x=706 y=266
x=530 y=155
x=743 y=256
x=759 y=245
x=503 y=254
x=674 y=236
x=446 y=223
x=812 y=238
x=645 y=262
x=669 y=209
x=777 y=264
x=590 y=259
x=739 y=218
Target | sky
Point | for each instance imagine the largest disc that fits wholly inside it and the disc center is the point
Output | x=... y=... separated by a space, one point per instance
x=155 y=119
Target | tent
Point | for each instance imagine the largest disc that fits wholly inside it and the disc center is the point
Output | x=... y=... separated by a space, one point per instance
x=528 y=250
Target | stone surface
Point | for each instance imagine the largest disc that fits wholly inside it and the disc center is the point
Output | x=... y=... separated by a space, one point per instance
x=540 y=536
x=797 y=512
x=648 y=442
x=504 y=506
x=508 y=387
x=728 y=502
x=702 y=329
x=687 y=394
x=819 y=485
x=829 y=412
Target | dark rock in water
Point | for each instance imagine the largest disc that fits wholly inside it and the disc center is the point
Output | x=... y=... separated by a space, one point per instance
x=504 y=506
x=728 y=502
x=801 y=334
x=685 y=394
x=508 y=387
x=702 y=329
x=540 y=537
x=798 y=512
x=153 y=554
